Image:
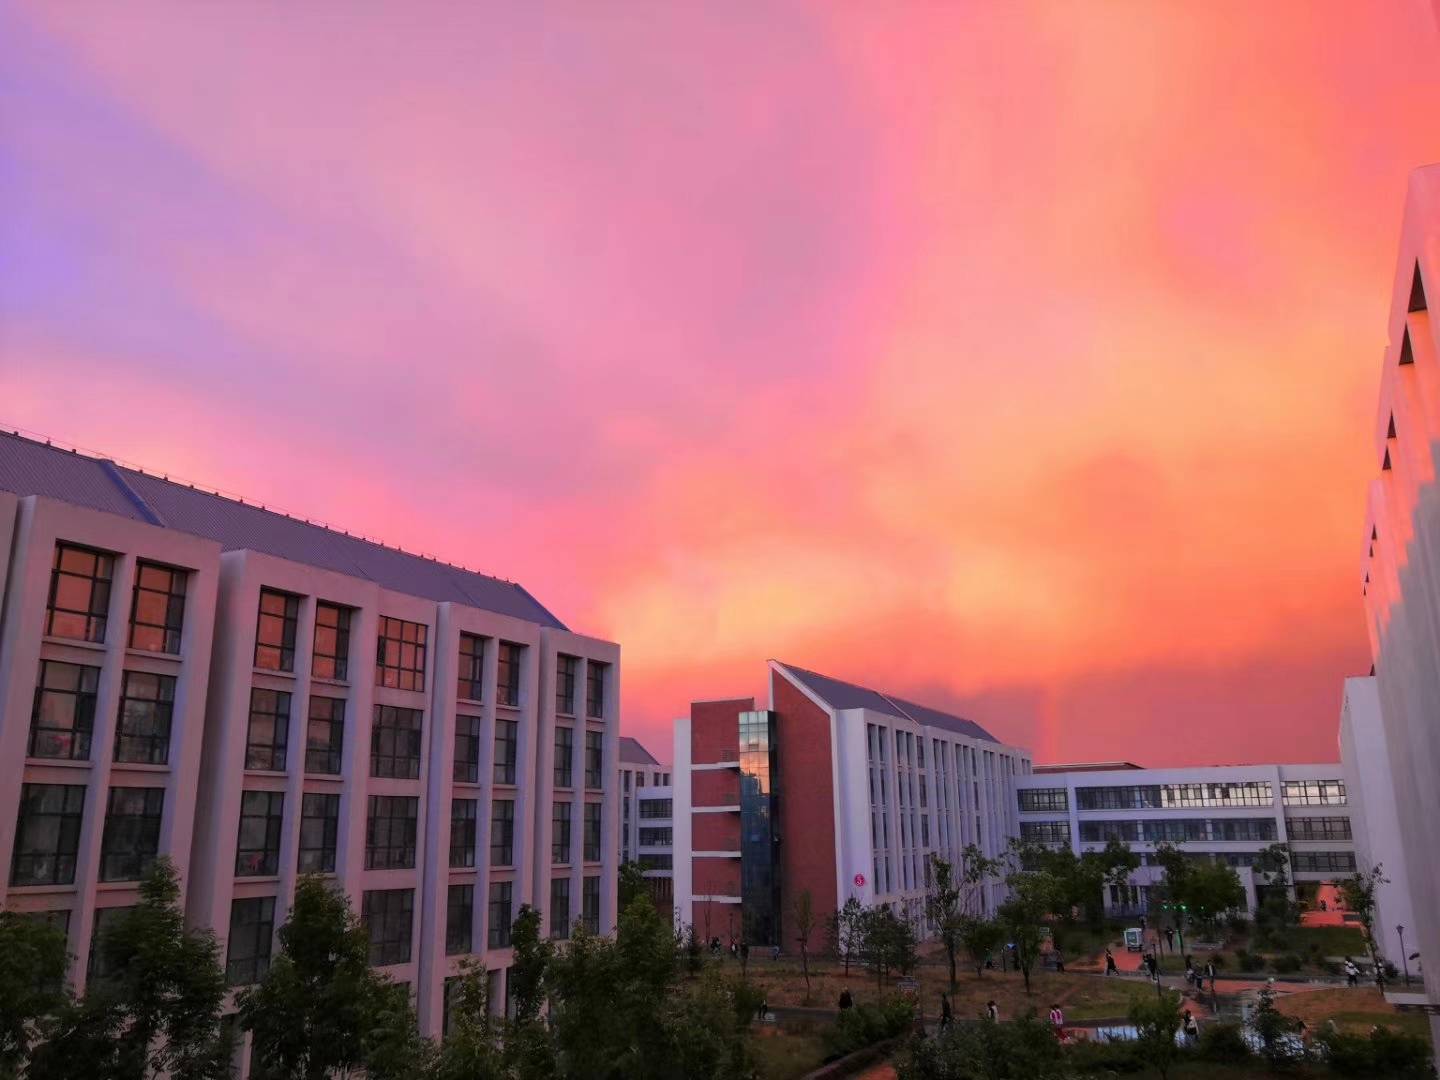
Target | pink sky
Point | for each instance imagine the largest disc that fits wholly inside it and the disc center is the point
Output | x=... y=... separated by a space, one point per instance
x=1017 y=358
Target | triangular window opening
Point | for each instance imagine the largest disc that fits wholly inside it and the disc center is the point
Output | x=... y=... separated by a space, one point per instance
x=1391 y=433
x=1406 y=356
x=1417 y=291
x=1386 y=465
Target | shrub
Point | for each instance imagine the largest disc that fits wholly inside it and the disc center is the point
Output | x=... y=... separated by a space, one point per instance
x=1248 y=961
x=1024 y=1049
x=747 y=998
x=1287 y=964
x=1107 y=1056
x=865 y=1025
x=1218 y=960
x=1393 y=1055
x=1238 y=924
x=1223 y=1043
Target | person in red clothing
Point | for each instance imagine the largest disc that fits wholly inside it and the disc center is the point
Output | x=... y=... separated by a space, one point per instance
x=1057 y=1021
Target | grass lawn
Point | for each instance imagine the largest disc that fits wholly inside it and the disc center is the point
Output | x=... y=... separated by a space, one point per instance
x=1355 y=1010
x=783 y=1055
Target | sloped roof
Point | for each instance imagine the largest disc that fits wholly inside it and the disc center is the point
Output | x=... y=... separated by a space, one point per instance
x=839 y=694
x=632 y=753
x=28 y=467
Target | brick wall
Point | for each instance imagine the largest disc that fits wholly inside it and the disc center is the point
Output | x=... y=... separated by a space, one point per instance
x=807 y=809
x=715 y=729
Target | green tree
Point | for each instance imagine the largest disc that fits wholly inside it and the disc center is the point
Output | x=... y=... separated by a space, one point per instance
x=846 y=930
x=942 y=906
x=976 y=870
x=1202 y=888
x=694 y=951
x=1023 y=1050
x=1275 y=910
x=471 y=1049
x=630 y=883
x=980 y=937
x=159 y=1013
x=1359 y=892
x=802 y=914
x=1156 y=1022
x=887 y=944
x=32 y=984
x=1275 y=1031
x=531 y=954
x=1032 y=897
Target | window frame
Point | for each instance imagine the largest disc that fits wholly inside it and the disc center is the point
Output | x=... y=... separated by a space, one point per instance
x=271 y=756
x=101 y=578
x=460 y=919
x=597 y=678
x=68 y=820
x=464 y=832
x=564 y=757
x=389 y=906
x=561 y=851
x=81 y=732
x=318 y=859
x=333 y=665
x=382 y=728
x=157 y=746
x=470 y=679
x=171 y=629
x=331 y=753
x=282 y=651
x=391 y=832
x=402 y=667
x=507 y=751
x=263 y=861
x=468 y=733
x=592 y=832
x=565 y=671
x=258 y=931
x=130 y=840
x=509 y=663
x=560 y=927
x=502 y=833
x=501 y=900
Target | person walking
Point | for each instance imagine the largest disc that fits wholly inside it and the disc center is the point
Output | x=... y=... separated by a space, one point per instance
x=1110 y=968
x=947 y=1014
x=846 y=1001
x=1057 y=1021
x=992 y=1011
x=1191 y=1028
x=1352 y=973
x=1209 y=974
x=764 y=1008
x=1059 y=961
x=1170 y=938
x=774 y=952
x=1190 y=976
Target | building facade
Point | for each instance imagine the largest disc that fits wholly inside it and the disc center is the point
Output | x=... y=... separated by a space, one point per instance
x=647 y=821
x=1225 y=812
x=835 y=790
x=258 y=698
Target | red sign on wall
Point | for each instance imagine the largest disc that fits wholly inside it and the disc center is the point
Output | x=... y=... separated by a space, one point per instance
x=860 y=880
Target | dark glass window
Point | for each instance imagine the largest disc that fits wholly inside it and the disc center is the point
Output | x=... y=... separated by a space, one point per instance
x=1044 y=800
x=507 y=674
x=63 y=720
x=1045 y=832
x=565 y=684
x=1323 y=862
x=252 y=930
x=47 y=834
x=158 y=612
x=319 y=832
x=656 y=808
x=79 y=593
x=400 y=654
x=560 y=834
x=462 y=832
x=102 y=964
x=459 y=919
x=467 y=749
x=388 y=915
x=594 y=759
x=560 y=908
x=324 y=736
x=332 y=642
x=657 y=837
x=500 y=916
x=147 y=703
x=592 y=832
x=269 y=729
x=390 y=832
x=132 y=832
x=1318 y=828
x=564 y=757
x=506 y=746
x=759 y=841
x=502 y=832
x=595 y=675
x=275 y=631
x=257 y=852
x=656 y=861
x=590 y=904
x=395 y=743
x=472 y=667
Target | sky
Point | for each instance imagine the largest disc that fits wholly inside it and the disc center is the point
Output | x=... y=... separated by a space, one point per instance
x=1017 y=358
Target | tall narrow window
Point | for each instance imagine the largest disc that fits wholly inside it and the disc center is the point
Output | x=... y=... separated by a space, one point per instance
x=594 y=759
x=157 y=612
x=500 y=915
x=47 y=834
x=467 y=749
x=507 y=677
x=462 y=832
x=79 y=593
x=390 y=832
x=131 y=840
x=324 y=736
x=564 y=757
x=252 y=932
x=63 y=720
x=459 y=919
x=332 y=642
x=565 y=684
x=257 y=852
x=319 y=832
x=590 y=904
x=147 y=702
x=400 y=654
x=472 y=667
x=592 y=832
x=388 y=918
x=103 y=963
x=269 y=730
x=506 y=746
x=502 y=832
x=560 y=833
x=560 y=908
x=275 y=630
x=395 y=743
x=595 y=676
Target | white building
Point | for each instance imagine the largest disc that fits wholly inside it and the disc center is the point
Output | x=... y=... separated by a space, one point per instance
x=647 y=833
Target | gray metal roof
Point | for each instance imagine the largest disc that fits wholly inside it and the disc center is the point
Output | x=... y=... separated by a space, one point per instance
x=843 y=695
x=28 y=467
x=632 y=753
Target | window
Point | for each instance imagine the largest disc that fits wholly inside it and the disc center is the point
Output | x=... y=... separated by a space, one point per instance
x=590 y=904
x=595 y=673
x=102 y=964
x=319 y=831
x=656 y=837
x=1045 y=832
x=252 y=930
x=400 y=654
x=1100 y=832
x=502 y=832
x=324 y=736
x=564 y=757
x=132 y=832
x=257 y=854
x=459 y=919
x=472 y=667
x=1323 y=862
x=560 y=908
x=1142 y=797
x=656 y=861
x=1318 y=828
x=395 y=743
x=1313 y=792
x=158 y=609
x=275 y=631
x=1043 y=800
x=592 y=832
x=506 y=744
x=560 y=834
x=656 y=808
x=387 y=915
x=462 y=832
x=500 y=918
x=79 y=593
x=594 y=759
x=565 y=684
x=332 y=642
x=1238 y=793
x=390 y=832
x=507 y=674
x=146 y=705
x=63 y=720
x=269 y=730
x=47 y=834
x=466 y=769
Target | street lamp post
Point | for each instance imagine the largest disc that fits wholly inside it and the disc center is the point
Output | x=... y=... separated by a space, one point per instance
x=1403 y=960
